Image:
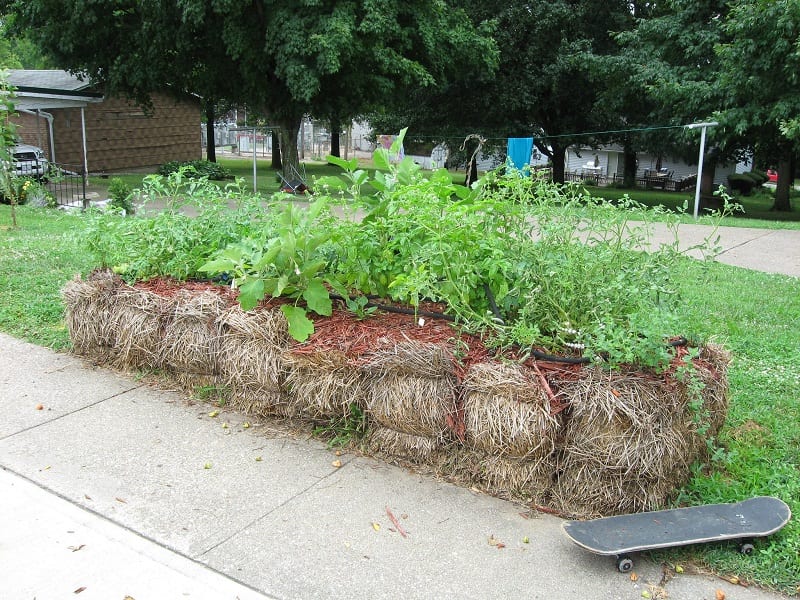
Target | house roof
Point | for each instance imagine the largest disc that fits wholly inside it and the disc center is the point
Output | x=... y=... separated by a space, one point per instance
x=48 y=89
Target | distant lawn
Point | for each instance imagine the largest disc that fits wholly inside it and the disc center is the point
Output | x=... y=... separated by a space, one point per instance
x=757 y=211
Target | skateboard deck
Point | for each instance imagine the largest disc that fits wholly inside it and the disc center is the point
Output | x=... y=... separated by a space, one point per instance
x=623 y=534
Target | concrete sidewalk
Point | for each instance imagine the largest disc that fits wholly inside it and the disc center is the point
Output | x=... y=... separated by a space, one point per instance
x=112 y=489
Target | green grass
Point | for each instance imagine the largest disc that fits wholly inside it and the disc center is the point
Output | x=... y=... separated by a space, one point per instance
x=760 y=444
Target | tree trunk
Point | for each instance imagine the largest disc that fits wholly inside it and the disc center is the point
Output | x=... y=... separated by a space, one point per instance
x=211 y=144
x=629 y=166
x=290 y=159
x=557 y=157
x=335 y=139
x=784 y=185
x=276 y=151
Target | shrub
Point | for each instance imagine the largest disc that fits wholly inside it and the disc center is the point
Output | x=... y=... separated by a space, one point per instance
x=196 y=169
x=121 y=195
x=761 y=176
x=741 y=183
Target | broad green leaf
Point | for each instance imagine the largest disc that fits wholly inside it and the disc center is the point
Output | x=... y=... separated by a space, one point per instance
x=381 y=158
x=332 y=181
x=251 y=293
x=268 y=258
x=300 y=326
x=318 y=298
x=337 y=286
x=280 y=285
x=313 y=268
x=220 y=265
x=347 y=165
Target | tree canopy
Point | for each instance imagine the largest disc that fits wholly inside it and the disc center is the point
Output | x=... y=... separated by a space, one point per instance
x=282 y=57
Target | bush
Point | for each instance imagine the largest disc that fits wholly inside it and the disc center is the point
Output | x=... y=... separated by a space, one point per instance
x=761 y=176
x=196 y=169
x=742 y=184
x=121 y=195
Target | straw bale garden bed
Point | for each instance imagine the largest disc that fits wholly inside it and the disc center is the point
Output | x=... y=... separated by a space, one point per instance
x=514 y=336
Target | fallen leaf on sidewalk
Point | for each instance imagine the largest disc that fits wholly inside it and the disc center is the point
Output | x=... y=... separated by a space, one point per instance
x=337 y=463
x=79 y=590
x=128 y=598
x=213 y=413
x=376 y=526
x=39 y=407
x=87 y=496
x=121 y=500
x=493 y=541
x=76 y=548
x=720 y=595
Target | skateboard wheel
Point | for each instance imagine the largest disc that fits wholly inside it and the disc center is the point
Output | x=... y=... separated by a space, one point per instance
x=746 y=548
x=624 y=564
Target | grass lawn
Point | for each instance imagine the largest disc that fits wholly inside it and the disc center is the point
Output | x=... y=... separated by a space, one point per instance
x=756 y=207
x=760 y=443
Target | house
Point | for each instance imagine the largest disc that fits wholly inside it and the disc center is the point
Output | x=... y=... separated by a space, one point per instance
x=84 y=130
x=608 y=162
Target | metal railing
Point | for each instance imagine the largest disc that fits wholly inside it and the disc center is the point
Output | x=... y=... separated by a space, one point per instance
x=67 y=185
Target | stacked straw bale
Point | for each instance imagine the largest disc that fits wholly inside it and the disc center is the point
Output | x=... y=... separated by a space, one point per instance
x=625 y=442
x=251 y=350
x=138 y=318
x=630 y=440
x=89 y=304
x=510 y=427
x=189 y=347
x=410 y=391
x=323 y=384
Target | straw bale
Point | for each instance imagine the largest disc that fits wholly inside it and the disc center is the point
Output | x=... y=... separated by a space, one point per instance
x=192 y=382
x=411 y=404
x=323 y=384
x=88 y=306
x=586 y=491
x=506 y=413
x=261 y=402
x=266 y=324
x=417 y=448
x=413 y=358
x=517 y=476
x=191 y=336
x=250 y=363
x=137 y=318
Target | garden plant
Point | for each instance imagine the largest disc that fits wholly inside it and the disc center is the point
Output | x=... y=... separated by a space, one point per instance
x=560 y=272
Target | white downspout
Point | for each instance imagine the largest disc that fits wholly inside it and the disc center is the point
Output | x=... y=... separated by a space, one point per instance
x=49 y=117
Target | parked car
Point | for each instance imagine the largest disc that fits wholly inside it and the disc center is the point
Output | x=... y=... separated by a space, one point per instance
x=29 y=161
x=773 y=175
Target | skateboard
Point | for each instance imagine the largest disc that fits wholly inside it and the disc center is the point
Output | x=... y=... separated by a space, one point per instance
x=621 y=535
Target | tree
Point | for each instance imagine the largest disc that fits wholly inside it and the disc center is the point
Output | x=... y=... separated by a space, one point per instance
x=543 y=85
x=760 y=73
x=7 y=136
x=672 y=53
x=282 y=57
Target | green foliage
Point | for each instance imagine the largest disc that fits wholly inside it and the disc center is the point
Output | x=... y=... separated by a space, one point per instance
x=344 y=430
x=121 y=194
x=741 y=183
x=196 y=169
x=167 y=240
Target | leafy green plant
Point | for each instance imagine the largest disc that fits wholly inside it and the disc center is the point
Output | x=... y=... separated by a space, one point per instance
x=291 y=263
x=196 y=169
x=344 y=430
x=121 y=194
